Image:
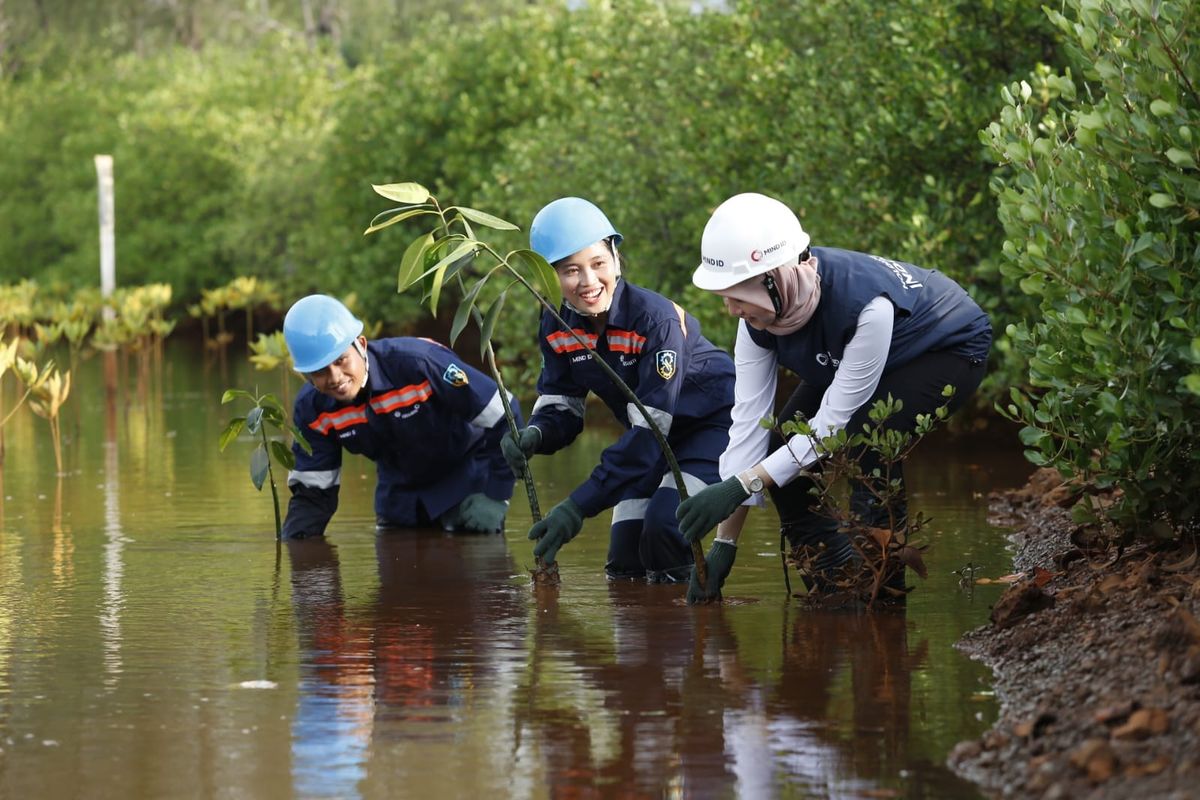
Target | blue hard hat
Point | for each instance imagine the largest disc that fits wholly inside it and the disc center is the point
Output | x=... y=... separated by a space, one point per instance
x=568 y=225
x=318 y=329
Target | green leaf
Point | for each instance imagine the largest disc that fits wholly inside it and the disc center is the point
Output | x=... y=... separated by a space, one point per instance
x=1192 y=382
x=254 y=420
x=1180 y=158
x=403 y=215
x=283 y=454
x=299 y=438
x=489 y=323
x=412 y=261
x=231 y=432
x=541 y=274
x=271 y=401
x=439 y=270
x=1161 y=108
x=1160 y=200
x=1094 y=337
x=233 y=394
x=259 y=464
x=408 y=193
x=486 y=219
x=463 y=314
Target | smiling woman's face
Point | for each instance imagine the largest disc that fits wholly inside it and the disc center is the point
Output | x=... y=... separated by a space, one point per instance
x=588 y=278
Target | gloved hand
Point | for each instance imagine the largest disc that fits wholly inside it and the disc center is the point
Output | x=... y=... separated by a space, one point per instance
x=719 y=562
x=701 y=512
x=557 y=528
x=478 y=512
x=517 y=451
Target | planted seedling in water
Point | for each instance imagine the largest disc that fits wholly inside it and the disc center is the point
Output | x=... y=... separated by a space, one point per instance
x=267 y=412
x=882 y=553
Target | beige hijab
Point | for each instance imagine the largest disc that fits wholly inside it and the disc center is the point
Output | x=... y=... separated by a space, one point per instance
x=799 y=288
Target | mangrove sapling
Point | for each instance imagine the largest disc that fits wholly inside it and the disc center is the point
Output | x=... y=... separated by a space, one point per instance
x=452 y=247
x=49 y=394
x=266 y=412
x=882 y=552
x=27 y=373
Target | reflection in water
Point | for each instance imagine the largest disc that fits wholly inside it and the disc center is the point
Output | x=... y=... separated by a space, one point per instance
x=405 y=666
x=332 y=727
x=114 y=543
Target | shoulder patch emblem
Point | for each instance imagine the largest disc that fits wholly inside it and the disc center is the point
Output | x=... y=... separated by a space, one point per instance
x=455 y=375
x=664 y=361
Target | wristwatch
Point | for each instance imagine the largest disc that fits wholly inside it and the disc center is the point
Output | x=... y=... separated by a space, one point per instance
x=750 y=482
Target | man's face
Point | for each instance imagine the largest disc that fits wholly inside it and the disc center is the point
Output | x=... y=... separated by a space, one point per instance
x=344 y=378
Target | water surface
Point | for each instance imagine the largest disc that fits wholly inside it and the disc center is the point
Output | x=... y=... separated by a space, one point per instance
x=156 y=642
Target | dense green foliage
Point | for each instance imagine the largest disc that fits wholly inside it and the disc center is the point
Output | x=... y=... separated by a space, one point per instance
x=254 y=154
x=1099 y=198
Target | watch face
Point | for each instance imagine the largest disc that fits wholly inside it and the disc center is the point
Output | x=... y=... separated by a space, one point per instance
x=756 y=484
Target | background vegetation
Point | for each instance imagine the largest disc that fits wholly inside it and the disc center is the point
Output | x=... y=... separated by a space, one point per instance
x=246 y=137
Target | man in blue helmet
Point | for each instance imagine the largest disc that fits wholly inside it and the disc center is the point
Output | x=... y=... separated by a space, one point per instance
x=684 y=382
x=430 y=422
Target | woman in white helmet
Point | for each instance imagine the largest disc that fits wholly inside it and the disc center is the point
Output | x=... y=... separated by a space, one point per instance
x=854 y=328
x=684 y=382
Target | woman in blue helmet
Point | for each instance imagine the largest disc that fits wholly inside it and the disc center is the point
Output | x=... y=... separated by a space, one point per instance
x=684 y=382
x=430 y=422
x=854 y=328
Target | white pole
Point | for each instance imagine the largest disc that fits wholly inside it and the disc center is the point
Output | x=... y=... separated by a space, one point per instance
x=108 y=233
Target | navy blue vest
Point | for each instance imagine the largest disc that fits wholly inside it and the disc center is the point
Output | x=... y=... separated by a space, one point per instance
x=932 y=313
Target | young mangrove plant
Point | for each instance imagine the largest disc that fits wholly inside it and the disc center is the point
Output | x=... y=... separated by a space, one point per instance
x=50 y=391
x=266 y=412
x=884 y=545
x=451 y=251
x=26 y=373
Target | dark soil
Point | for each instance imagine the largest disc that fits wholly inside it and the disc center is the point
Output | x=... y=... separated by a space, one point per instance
x=1096 y=654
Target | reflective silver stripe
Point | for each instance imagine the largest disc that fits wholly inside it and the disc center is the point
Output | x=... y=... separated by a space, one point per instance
x=491 y=413
x=661 y=418
x=565 y=402
x=317 y=479
x=627 y=510
x=690 y=482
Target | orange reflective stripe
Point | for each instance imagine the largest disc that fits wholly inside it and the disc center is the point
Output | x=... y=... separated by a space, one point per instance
x=564 y=342
x=336 y=420
x=402 y=397
x=625 y=341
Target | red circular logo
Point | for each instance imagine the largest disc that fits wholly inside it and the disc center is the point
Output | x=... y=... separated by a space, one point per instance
x=755 y=255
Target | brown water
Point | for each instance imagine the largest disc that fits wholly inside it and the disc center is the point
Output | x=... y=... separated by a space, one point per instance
x=155 y=642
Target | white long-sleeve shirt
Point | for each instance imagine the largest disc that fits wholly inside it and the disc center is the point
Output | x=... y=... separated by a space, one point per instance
x=854 y=383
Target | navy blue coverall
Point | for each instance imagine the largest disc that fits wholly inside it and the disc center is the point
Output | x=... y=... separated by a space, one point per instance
x=686 y=385
x=430 y=422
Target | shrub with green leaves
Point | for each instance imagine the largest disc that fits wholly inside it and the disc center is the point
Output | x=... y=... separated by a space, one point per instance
x=1100 y=199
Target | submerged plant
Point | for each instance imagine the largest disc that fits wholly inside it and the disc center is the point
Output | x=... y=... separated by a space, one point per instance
x=266 y=412
x=452 y=250
x=883 y=551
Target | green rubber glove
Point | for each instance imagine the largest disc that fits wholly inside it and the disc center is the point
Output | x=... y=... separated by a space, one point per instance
x=701 y=512
x=517 y=451
x=557 y=528
x=478 y=512
x=719 y=562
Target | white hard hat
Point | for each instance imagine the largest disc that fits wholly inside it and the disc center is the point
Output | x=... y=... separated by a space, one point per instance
x=749 y=234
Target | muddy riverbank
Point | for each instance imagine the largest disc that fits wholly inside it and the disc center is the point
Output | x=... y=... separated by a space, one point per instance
x=1096 y=653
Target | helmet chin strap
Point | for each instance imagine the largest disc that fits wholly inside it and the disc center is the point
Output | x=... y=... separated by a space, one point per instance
x=773 y=293
x=362 y=351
